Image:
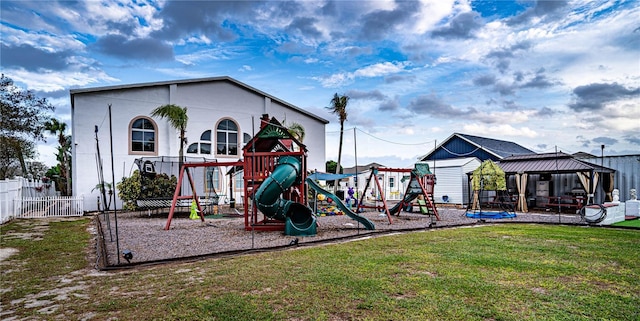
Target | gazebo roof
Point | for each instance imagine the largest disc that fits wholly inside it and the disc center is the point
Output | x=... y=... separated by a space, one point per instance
x=548 y=163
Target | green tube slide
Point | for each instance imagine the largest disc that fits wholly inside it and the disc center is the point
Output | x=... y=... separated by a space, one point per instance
x=339 y=204
x=299 y=218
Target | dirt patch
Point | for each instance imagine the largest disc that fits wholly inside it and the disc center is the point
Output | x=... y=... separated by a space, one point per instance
x=5 y=253
x=50 y=297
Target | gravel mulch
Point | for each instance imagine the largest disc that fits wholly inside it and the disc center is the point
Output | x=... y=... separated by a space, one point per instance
x=143 y=233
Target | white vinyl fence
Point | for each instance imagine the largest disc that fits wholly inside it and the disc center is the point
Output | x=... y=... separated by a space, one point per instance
x=10 y=189
x=23 y=198
x=38 y=207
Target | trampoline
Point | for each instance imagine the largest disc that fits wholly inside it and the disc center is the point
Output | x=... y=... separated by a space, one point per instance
x=482 y=214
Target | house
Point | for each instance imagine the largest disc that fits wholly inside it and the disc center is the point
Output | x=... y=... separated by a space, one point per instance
x=451 y=179
x=224 y=114
x=461 y=152
x=393 y=184
x=462 y=145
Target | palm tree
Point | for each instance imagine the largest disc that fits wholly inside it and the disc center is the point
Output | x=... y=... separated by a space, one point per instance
x=54 y=127
x=177 y=118
x=339 y=107
x=296 y=130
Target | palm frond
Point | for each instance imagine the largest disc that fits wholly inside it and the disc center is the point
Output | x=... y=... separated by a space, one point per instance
x=297 y=131
x=174 y=114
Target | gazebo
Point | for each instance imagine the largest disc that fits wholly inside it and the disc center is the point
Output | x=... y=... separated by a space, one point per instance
x=556 y=164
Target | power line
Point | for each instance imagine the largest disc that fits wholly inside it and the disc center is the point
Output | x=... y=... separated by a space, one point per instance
x=458 y=154
x=382 y=139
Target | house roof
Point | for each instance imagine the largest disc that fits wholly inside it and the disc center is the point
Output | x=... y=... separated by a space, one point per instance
x=73 y=92
x=583 y=155
x=360 y=169
x=501 y=148
x=463 y=145
x=548 y=163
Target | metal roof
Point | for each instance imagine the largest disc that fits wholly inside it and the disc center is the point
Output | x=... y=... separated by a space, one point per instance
x=548 y=163
x=463 y=145
x=502 y=148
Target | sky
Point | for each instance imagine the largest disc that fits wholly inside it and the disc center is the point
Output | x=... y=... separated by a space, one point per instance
x=548 y=75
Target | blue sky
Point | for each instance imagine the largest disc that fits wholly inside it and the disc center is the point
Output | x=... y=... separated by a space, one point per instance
x=544 y=74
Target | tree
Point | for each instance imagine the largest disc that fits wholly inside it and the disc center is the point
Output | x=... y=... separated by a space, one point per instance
x=37 y=169
x=13 y=152
x=177 y=118
x=63 y=156
x=331 y=166
x=22 y=119
x=296 y=130
x=339 y=107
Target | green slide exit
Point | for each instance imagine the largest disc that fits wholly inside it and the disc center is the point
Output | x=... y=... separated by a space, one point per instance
x=339 y=204
x=299 y=218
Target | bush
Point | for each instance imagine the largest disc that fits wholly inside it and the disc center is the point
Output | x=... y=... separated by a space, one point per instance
x=136 y=187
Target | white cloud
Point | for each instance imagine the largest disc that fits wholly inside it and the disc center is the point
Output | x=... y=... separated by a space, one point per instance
x=381 y=69
x=59 y=80
x=44 y=41
x=47 y=154
x=371 y=71
x=206 y=55
x=432 y=12
x=497 y=117
x=499 y=130
x=335 y=80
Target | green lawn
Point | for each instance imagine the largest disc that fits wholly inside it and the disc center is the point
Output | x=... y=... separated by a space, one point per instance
x=503 y=272
x=631 y=223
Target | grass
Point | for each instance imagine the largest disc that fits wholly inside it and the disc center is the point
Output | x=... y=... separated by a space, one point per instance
x=504 y=272
x=630 y=223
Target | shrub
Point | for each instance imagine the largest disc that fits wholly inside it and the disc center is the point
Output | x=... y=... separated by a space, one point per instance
x=136 y=187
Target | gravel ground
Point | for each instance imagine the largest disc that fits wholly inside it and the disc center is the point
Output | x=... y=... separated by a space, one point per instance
x=145 y=237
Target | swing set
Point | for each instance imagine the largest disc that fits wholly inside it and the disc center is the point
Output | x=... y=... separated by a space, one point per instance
x=420 y=187
x=194 y=196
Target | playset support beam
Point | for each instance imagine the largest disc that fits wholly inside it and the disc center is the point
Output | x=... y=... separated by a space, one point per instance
x=176 y=195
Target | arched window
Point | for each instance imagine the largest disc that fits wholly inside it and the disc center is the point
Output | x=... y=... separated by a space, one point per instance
x=227 y=137
x=205 y=148
x=142 y=136
x=204 y=144
x=193 y=148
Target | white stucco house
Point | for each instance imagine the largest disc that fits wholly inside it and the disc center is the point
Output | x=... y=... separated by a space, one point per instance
x=223 y=113
x=452 y=183
x=393 y=184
